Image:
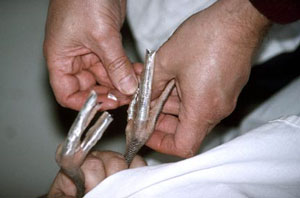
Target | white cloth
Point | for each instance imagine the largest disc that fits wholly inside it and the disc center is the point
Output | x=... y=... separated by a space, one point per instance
x=283 y=103
x=153 y=22
x=262 y=163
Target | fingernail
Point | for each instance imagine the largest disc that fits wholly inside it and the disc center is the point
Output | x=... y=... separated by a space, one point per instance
x=112 y=97
x=128 y=85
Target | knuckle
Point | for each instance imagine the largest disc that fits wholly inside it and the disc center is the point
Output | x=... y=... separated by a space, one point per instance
x=222 y=106
x=188 y=152
x=230 y=107
x=104 y=34
x=61 y=100
x=226 y=107
x=98 y=34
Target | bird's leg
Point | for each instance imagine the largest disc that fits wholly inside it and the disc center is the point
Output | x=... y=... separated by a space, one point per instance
x=141 y=120
x=71 y=154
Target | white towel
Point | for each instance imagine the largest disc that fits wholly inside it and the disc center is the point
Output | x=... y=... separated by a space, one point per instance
x=262 y=163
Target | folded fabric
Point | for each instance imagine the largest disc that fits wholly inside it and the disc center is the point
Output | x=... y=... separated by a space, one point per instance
x=262 y=163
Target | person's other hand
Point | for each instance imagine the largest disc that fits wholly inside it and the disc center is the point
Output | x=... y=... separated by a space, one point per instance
x=83 y=49
x=209 y=56
x=97 y=166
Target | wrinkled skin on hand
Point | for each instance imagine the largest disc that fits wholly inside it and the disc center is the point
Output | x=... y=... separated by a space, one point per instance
x=209 y=56
x=97 y=166
x=84 y=51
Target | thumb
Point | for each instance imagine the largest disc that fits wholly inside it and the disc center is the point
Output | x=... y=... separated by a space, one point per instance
x=117 y=64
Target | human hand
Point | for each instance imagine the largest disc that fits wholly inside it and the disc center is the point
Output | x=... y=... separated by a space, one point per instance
x=97 y=166
x=84 y=51
x=209 y=56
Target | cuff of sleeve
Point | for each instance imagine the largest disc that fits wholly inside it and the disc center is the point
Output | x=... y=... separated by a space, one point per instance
x=278 y=11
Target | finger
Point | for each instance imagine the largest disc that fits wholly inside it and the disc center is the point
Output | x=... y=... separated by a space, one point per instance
x=117 y=64
x=94 y=172
x=101 y=75
x=171 y=106
x=113 y=162
x=85 y=79
x=89 y=60
x=184 y=141
x=119 y=97
x=62 y=187
x=174 y=92
x=166 y=123
x=77 y=99
x=64 y=85
x=92 y=63
x=137 y=161
x=71 y=82
x=138 y=68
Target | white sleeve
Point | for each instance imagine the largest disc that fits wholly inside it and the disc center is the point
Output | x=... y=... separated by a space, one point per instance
x=262 y=163
x=153 y=22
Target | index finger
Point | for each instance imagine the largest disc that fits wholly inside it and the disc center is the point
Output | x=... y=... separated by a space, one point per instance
x=67 y=92
x=177 y=136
